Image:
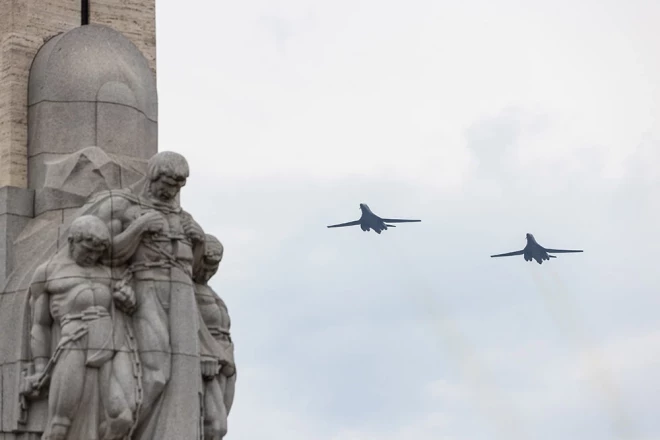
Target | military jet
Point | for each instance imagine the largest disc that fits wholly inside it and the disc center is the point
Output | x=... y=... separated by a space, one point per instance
x=534 y=251
x=369 y=221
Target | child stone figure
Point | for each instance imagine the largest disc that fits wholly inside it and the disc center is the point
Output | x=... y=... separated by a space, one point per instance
x=220 y=384
x=89 y=366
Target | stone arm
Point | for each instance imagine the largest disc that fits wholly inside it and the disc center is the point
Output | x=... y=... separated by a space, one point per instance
x=229 y=369
x=192 y=229
x=209 y=347
x=222 y=308
x=40 y=333
x=196 y=234
x=126 y=240
x=207 y=354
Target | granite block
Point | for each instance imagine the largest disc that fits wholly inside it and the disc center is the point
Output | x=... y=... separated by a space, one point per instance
x=16 y=201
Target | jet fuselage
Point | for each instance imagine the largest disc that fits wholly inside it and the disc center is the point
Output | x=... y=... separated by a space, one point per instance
x=534 y=251
x=369 y=220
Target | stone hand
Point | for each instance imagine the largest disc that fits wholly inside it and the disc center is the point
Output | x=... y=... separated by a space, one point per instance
x=209 y=368
x=125 y=299
x=192 y=229
x=30 y=387
x=152 y=221
x=228 y=370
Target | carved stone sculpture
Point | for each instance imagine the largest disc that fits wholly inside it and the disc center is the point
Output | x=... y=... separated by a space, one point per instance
x=220 y=385
x=134 y=316
x=92 y=119
x=159 y=244
x=109 y=330
x=79 y=340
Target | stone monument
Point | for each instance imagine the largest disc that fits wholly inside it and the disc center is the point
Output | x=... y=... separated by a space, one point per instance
x=109 y=327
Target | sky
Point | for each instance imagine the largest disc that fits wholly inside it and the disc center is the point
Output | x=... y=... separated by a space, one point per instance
x=486 y=120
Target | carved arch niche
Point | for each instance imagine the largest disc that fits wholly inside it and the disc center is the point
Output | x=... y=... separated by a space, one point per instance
x=90 y=87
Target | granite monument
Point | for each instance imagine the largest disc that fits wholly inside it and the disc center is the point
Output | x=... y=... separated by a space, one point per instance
x=110 y=329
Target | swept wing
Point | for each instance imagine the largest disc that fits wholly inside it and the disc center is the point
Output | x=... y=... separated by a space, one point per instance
x=509 y=254
x=398 y=220
x=562 y=251
x=354 y=223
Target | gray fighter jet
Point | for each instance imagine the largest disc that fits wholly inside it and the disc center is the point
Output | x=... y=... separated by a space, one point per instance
x=369 y=221
x=534 y=251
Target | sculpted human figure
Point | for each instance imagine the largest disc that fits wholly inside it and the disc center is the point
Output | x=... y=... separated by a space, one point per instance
x=159 y=243
x=218 y=387
x=92 y=390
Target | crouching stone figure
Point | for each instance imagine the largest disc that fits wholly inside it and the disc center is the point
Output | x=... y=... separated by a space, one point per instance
x=219 y=385
x=80 y=340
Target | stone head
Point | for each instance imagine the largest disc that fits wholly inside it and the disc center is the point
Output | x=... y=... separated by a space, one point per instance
x=212 y=259
x=167 y=172
x=89 y=239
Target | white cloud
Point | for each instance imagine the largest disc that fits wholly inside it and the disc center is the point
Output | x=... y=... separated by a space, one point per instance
x=486 y=121
x=372 y=88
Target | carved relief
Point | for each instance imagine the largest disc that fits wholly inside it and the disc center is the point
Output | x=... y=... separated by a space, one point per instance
x=126 y=315
x=104 y=334
x=220 y=384
x=79 y=340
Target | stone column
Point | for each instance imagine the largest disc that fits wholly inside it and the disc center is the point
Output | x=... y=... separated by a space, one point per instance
x=136 y=19
x=24 y=26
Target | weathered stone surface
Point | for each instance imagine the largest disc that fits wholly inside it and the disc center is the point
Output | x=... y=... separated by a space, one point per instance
x=131 y=169
x=16 y=210
x=11 y=225
x=219 y=386
x=135 y=126
x=157 y=255
x=71 y=179
x=24 y=25
x=91 y=62
x=12 y=305
x=47 y=135
x=32 y=240
x=67 y=181
x=17 y=201
x=166 y=322
x=64 y=174
x=81 y=349
x=158 y=243
x=103 y=274
x=95 y=79
x=134 y=18
x=37 y=238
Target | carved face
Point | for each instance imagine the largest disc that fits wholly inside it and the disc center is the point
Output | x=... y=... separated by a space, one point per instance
x=208 y=271
x=209 y=266
x=166 y=188
x=87 y=252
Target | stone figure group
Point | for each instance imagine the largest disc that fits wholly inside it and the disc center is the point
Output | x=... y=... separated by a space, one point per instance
x=127 y=339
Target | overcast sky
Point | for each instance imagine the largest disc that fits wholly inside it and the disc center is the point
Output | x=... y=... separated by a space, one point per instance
x=485 y=119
